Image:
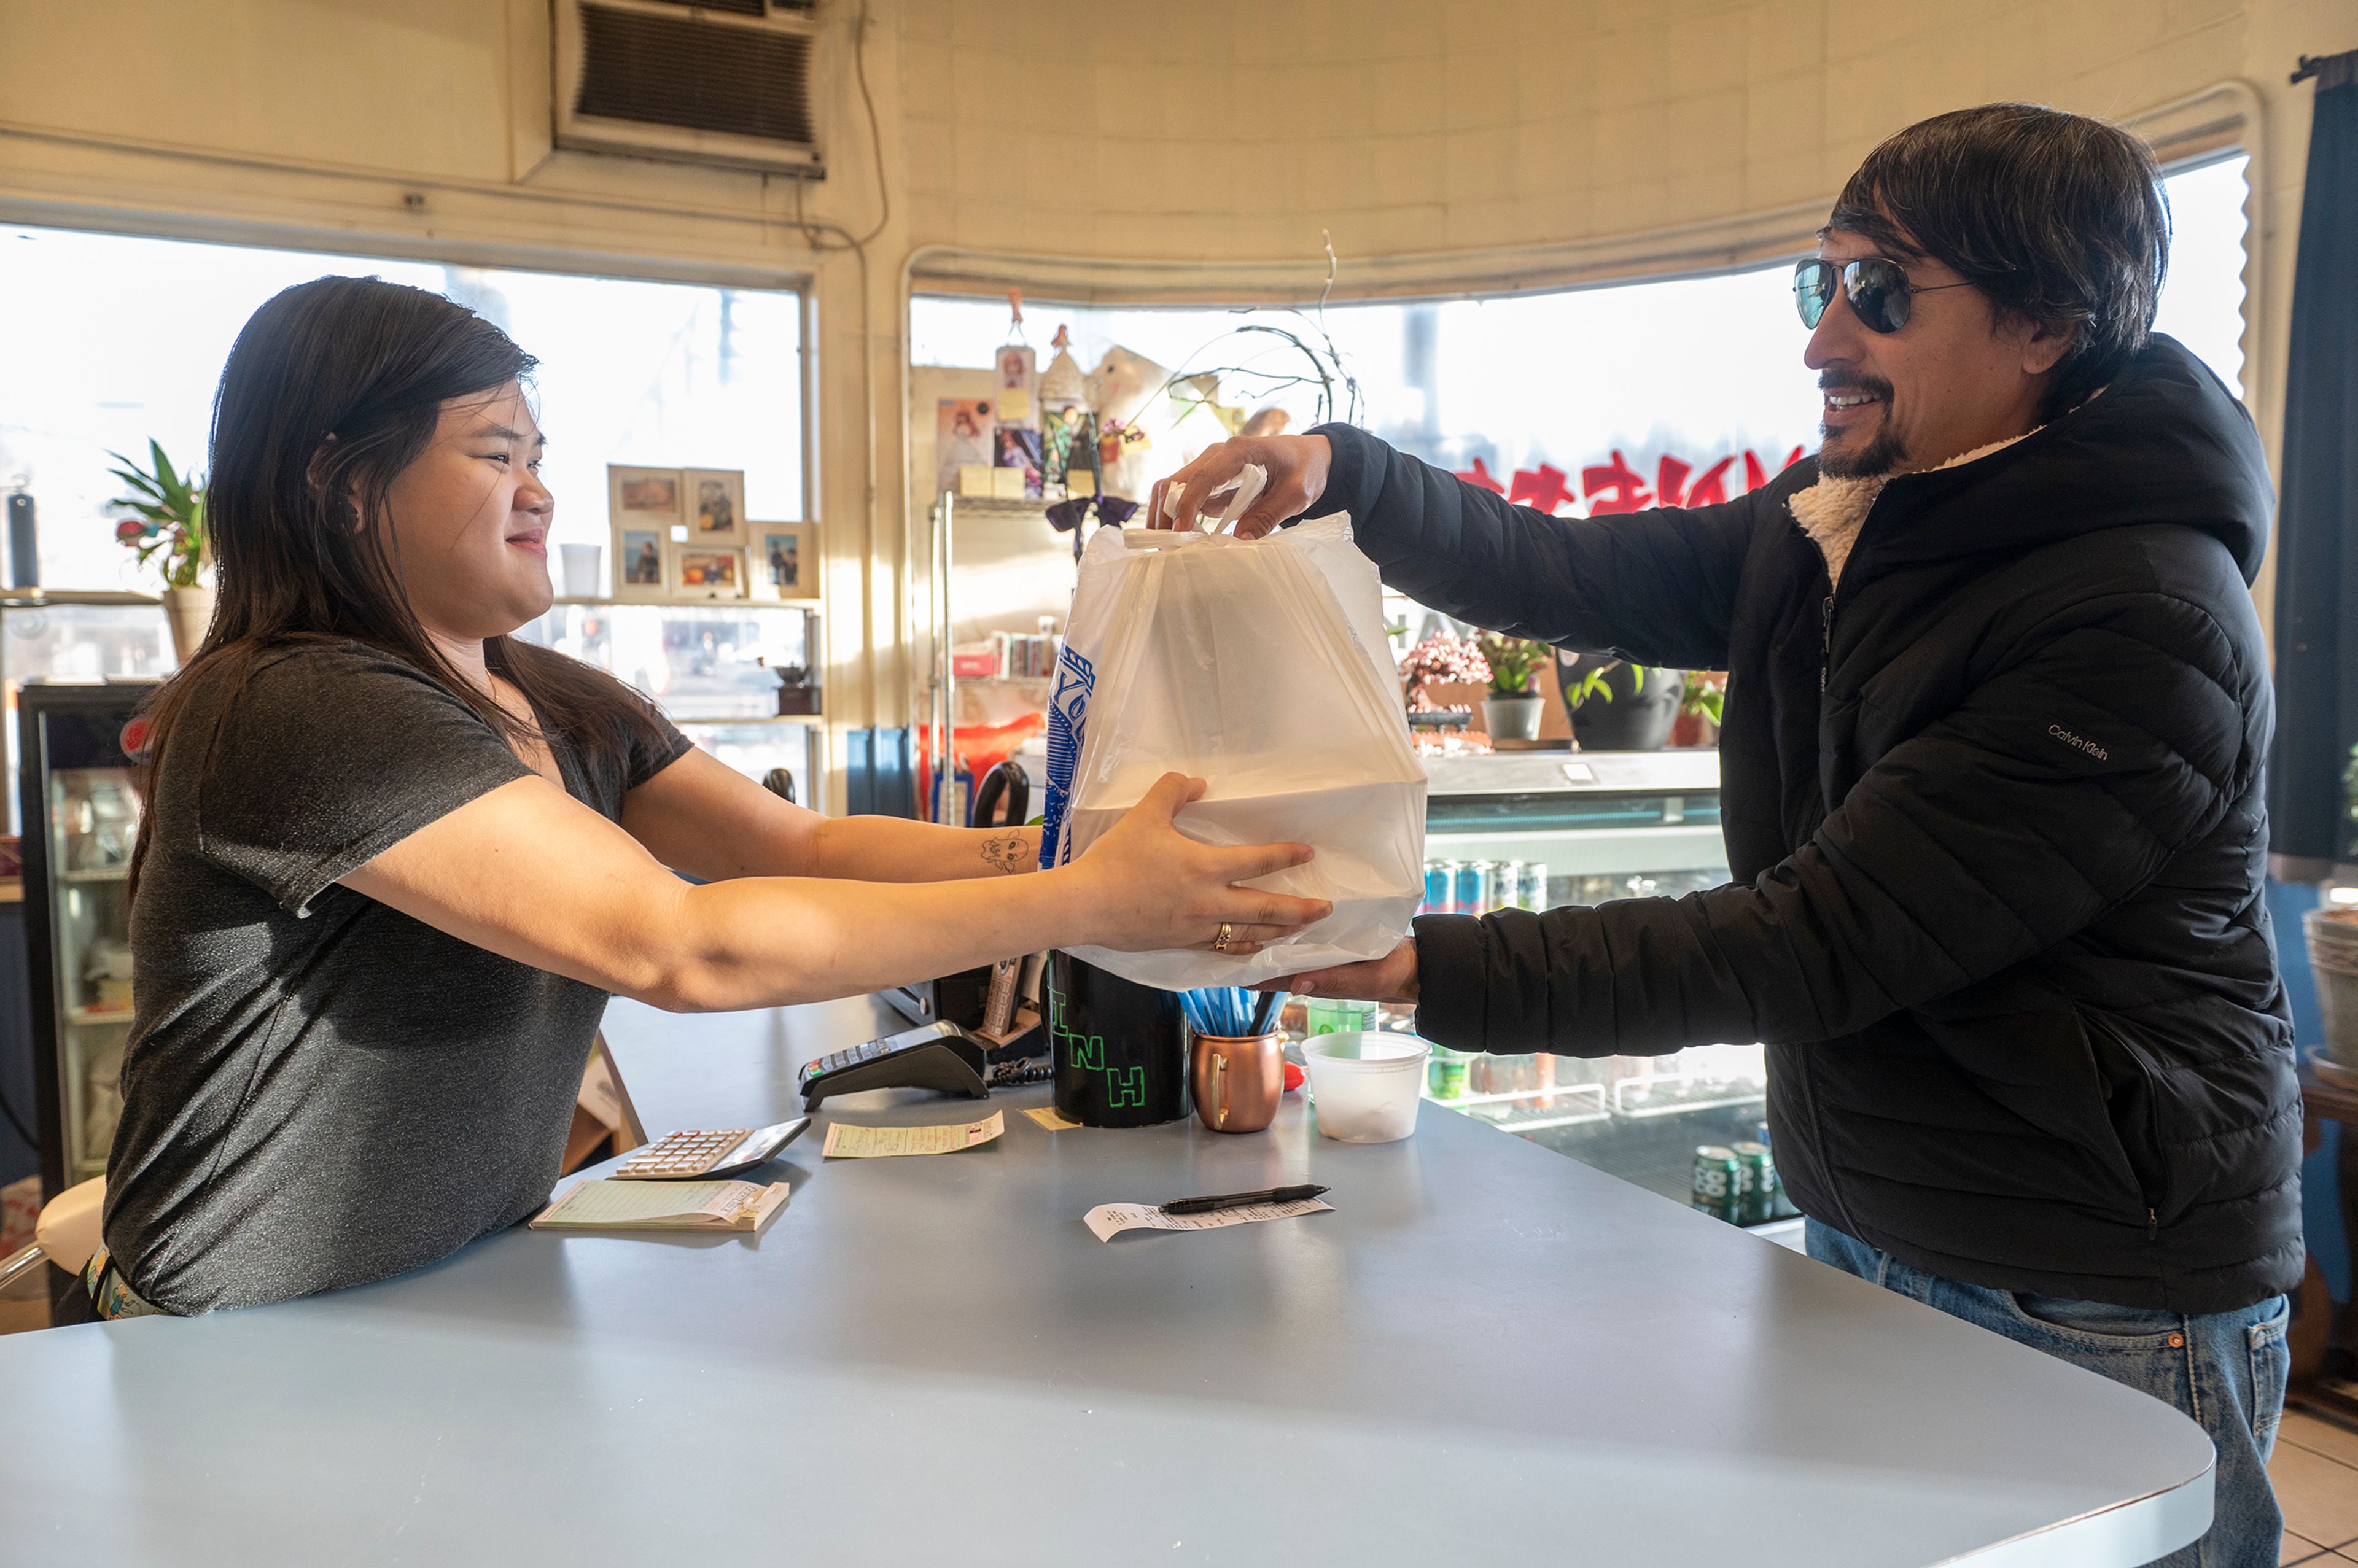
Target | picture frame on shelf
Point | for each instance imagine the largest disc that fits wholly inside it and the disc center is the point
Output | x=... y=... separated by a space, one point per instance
x=640 y=498
x=783 y=560
x=702 y=571
x=638 y=566
x=715 y=503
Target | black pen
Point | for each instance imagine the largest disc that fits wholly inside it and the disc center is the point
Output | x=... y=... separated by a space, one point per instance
x=1240 y=1200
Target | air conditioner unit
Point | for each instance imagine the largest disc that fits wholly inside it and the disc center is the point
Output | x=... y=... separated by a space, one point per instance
x=720 y=81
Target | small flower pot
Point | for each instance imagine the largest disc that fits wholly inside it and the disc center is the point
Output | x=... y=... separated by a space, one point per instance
x=1512 y=718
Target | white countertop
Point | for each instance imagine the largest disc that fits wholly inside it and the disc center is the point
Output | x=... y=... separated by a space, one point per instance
x=1487 y=1353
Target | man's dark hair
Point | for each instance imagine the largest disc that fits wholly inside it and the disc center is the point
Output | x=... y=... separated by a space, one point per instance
x=2057 y=218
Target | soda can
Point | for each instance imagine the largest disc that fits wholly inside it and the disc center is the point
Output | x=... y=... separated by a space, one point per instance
x=1441 y=887
x=1473 y=886
x=1757 y=1177
x=1532 y=894
x=1447 y=1073
x=1507 y=884
x=1717 y=1173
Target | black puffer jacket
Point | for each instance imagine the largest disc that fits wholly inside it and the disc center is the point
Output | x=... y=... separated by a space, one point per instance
x=1994 y=814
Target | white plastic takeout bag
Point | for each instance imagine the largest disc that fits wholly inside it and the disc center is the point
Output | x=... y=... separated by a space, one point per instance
x=1260 y=666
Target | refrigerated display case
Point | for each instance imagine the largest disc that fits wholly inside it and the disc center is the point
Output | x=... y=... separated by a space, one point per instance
x=78 y=796
x=1606 y=825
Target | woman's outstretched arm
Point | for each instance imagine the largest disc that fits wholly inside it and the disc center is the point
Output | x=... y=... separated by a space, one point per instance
x=704 y=817
x=528 y=873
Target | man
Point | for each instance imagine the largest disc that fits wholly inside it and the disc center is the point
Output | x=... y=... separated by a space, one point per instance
x=1997 y=709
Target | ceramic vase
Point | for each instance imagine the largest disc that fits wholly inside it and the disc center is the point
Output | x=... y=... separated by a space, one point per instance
x=189 y=611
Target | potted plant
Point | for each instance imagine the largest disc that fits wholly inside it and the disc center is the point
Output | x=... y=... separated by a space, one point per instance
x=168 y=520
x=1442 y=660
x=1699 y=710
x=1616 y=706
x=1511 y=711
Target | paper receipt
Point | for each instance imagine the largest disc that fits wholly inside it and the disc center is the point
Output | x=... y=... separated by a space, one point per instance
x=847 y=1142
x=1050 y=1118
x=1110 y=1219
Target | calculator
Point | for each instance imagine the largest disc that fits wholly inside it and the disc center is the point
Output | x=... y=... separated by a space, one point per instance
x=684 y=1156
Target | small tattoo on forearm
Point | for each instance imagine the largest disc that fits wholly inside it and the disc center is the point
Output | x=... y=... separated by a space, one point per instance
x=1008 y=852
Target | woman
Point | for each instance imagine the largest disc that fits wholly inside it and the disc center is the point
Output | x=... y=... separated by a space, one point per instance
x=393 y=861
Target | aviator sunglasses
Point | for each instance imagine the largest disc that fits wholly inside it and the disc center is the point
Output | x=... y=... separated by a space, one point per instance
x=1878 y=289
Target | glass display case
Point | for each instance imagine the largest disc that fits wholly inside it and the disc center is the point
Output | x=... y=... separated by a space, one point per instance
x=1544 y=829
x=715 y=670
x=79 y=799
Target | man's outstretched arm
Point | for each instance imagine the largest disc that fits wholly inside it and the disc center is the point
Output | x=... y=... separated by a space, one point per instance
x=1657 y=587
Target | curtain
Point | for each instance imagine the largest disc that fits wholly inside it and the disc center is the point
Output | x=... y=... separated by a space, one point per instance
x=2317 y=520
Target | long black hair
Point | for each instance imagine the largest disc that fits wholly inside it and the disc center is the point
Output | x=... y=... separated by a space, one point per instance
x=331 y=390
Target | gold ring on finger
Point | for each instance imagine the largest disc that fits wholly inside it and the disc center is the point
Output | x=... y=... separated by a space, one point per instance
x=1220 y=943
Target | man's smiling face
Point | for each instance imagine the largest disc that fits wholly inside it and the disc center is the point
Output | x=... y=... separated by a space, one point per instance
x=1953 y=378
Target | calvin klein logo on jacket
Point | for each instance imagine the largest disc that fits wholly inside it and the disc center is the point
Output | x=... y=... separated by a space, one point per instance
x=2083 y=743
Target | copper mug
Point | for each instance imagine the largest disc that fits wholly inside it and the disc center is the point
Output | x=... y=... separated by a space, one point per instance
x=1238 y=1082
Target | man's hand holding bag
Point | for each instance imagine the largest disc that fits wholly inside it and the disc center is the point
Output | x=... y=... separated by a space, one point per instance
x=1260 y=666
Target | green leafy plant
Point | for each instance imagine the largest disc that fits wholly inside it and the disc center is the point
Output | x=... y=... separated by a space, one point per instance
x=1514 y=664
x=166 y=516
x=1594 y=685
x=1707 y=694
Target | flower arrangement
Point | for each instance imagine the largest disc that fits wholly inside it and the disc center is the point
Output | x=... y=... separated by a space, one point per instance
x=1442 y=658
x=166 y=516
x=1514 y=664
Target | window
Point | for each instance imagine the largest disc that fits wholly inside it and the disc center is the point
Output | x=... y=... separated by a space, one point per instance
x=109 y=340
x=2202 y=299
x=1616 y=379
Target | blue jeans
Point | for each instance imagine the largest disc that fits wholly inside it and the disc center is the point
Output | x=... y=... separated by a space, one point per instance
x=2227 y=1369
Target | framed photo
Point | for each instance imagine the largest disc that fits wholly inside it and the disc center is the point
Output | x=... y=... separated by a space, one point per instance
x=1017 y=446
x=643 y=497
x=699 y=571
x=639 y=562
x=784 y=560
x=716 y=506
x=961 y=436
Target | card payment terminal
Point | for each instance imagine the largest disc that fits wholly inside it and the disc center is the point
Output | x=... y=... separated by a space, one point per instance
x=937 y=1056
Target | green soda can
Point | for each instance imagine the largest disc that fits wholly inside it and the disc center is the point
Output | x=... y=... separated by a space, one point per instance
x=1446 y=1074
x=1757 y=1174
x=1718 y=1173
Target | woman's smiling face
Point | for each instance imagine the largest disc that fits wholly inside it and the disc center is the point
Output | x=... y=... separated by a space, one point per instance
x=469 y=519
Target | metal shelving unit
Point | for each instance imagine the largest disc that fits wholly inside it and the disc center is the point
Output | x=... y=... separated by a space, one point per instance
x=708 y=663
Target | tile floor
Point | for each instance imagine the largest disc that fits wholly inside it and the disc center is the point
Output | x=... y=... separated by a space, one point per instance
x=2316 y=1473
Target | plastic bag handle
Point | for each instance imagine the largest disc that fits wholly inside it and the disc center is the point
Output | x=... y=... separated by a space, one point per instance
x=1252 y=479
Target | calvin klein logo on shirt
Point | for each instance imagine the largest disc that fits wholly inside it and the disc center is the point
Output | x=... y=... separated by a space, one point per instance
x=2083 y=742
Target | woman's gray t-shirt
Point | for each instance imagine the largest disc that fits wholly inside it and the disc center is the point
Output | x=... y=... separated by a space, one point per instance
x=319 y=1090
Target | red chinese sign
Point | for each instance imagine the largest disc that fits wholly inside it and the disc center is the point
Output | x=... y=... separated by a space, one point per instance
x=1615 y=486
